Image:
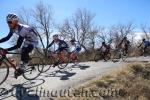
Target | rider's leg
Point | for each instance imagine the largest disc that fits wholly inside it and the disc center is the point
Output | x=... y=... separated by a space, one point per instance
x=126 y=50
x=145 y=49
x=73 y=56
x=25 y=55
x=62 y=55
x=76 y=53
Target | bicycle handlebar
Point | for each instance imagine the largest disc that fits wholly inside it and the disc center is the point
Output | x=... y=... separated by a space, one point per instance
x=13 y=53
x=10 y=52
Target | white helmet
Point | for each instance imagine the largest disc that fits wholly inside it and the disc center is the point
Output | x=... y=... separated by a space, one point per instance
x=12 y=17
x=55 y=35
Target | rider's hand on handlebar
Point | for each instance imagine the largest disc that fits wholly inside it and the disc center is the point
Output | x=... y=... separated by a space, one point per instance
x=3 y=51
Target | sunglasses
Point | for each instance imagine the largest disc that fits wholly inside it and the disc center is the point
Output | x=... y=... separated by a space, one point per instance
x=9 y=22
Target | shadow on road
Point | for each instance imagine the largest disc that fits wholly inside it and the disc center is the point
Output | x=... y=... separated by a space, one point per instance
x=22 y=91
x=63 y=74
x=82 y=67
x=66 y=73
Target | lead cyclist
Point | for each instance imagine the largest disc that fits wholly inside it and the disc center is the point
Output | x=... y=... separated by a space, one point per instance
x=27 y=37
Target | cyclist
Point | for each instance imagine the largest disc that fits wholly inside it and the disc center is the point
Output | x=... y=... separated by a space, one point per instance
x=104 y=48
x=62 y=47
x=27 y=37
x=76 y=48
x=145 y=43
x=124 y=44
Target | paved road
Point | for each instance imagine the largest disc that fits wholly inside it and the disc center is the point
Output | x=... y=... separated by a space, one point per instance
x=55 y=79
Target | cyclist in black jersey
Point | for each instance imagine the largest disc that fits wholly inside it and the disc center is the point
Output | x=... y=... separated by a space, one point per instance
x=27 y=37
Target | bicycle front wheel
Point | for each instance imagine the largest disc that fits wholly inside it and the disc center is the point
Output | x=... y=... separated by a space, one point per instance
x=31 y=72
x=124 y=57
x=97 y=57
x=4 y=71
x=46 y=64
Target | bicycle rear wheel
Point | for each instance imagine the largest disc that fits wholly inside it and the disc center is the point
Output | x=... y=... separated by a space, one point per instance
x=97 y=57
x=31 y=71
x=46 y=64
x=4 y=71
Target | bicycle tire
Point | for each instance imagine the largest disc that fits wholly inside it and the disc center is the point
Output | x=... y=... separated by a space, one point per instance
x=96 y=57
x=123 y=56
x=45 y=67
x=7 y=72
x=31 y=68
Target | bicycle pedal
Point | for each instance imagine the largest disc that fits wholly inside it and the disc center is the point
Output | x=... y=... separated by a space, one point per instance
x=33 y=68
x=16 y=75
x=18 y=72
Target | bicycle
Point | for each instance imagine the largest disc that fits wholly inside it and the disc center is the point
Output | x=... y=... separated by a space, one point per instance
x=144 y=52
x=51 y=61
x=104 y=55
x=119 y=53
x=29 y=73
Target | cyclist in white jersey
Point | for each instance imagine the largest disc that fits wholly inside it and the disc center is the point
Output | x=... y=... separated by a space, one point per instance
x=75 y=49
x=27 y=37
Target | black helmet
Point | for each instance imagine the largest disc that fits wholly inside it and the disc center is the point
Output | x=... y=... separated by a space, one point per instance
x=56 y=35
x=103 y=43
x=125 y=37
x=143 y=39
x=72 y=40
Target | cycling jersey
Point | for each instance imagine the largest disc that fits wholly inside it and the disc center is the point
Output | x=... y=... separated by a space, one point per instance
x=26 y=35
x=146 y=43
x=76 y=47
x=62 y=45
x=104 y=48
x=124 y=43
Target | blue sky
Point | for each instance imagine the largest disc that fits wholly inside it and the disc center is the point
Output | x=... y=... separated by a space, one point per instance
x=108 y=12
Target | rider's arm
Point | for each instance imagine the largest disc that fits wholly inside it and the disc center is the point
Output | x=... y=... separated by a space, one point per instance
x=7 y=37
x=18 y=45
x=50 y=44
x=62 y=45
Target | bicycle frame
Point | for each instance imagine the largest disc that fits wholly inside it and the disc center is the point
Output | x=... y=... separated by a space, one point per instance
x=6 y=60
x=58 y=55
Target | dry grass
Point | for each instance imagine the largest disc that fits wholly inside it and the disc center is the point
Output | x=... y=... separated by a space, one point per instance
x=131 y=83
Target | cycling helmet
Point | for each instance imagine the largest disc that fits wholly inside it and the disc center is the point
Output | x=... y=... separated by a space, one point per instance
x=56 y=35
x=12 y=17
x=103 y=43
x=72 y=40
x=143 y=39
x=125 y=38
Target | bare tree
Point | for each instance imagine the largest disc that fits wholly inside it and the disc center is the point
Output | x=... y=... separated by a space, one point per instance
x=92 y=38
x=80 y=27
x=146 y=31
x=24 y=16
x=104 y=34
x=121 y=30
